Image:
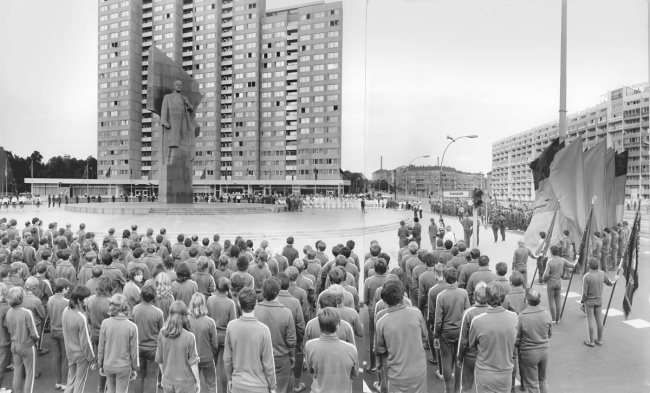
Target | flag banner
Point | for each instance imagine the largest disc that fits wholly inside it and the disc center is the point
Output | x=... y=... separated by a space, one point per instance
x=108 y=172
x=610 y=187
x=594 y=182
x=631 y=263
x=620 y=173
x=566 y=179
x=544 y=207
x=150 y=175
x=546 y=202
x=203 y=174
x=85 y=175
x=31 y=168
x=541 y=166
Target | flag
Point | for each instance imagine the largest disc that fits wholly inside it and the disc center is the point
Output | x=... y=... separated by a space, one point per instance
x=566 y=179
x=85 y=175
x=594 y=182
x=150 y=175
x=541 y=166
x=620 y=173
x=341 y=172
x=630 y=264
x=546 y=202
x=203 y=174
x=108 y=172
x=31 y=168
x=315 y=173
x=610 y=188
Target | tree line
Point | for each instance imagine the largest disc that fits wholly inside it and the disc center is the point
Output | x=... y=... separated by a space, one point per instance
x=55 y=168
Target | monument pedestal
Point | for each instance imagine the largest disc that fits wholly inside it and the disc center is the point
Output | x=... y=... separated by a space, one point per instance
x=175 y=184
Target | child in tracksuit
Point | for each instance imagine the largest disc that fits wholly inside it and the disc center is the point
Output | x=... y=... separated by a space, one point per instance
x=5 y=338
x=176 y=353
x=117 y=356
x=55 y=306
x=20 y=323
x=78 y=346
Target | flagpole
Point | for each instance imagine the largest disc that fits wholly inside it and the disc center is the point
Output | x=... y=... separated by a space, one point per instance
x=583 y=250
x=563 y=36
x=620 y=264
x=549 y=234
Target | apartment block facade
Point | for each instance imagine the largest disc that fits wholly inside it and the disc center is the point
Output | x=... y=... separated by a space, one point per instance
x=621 y=118
x=271 y=82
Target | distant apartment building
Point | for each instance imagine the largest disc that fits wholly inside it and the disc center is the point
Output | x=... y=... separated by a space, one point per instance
x=621 y=118
x=425 y=180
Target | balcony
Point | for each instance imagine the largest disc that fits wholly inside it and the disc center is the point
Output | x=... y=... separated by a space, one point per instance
x=226 y=34
x=226 y=63
x=146 y=139
x=226 y=24
x=292 y=47
x=227 y=110
x=147 y=24
x=292 y=66
x=147 y=15
x=226 y=53
x=187 y=44
x=226 y=120
x=187 y=63
x=291 y=117
x=227 y=4
x=188 y=25
x=226 y=14
x=187 y=35
x=226 y=72
x=226 y=149
x=226 y=101
x=146 y=148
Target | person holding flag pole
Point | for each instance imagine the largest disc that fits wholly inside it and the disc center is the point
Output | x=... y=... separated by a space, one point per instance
x=546 y=244
x=630 y=270
x=584 y=246
x=108 y=175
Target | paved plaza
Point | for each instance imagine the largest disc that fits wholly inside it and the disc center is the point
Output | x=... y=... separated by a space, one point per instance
x=621 y=363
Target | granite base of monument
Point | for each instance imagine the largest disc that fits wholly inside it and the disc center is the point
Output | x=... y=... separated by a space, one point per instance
x=175 y=184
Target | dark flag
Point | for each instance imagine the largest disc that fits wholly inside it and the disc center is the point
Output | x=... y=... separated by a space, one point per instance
x=85 y=175
x=150 y=175
x=620 y=169
x=630 y=265
x=108 y=172
x=203 y=174
x=316 y=173
x=541 y=166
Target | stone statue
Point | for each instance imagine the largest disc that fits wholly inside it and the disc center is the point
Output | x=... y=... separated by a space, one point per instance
x=179 y=128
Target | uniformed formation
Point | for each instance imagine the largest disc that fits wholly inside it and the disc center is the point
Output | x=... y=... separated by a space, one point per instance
x=510 y=216
x=251 y=319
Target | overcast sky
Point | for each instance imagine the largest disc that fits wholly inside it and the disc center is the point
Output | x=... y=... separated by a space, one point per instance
x=434 y=68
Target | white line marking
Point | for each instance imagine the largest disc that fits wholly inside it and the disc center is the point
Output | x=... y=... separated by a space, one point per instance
x=366 y=389
x=572 y=294
x=638 y=323
x=612 y=312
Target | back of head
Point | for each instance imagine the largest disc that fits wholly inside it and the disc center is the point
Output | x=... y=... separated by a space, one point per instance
x=79 y=294
x=392 y=293
x=483 y=260
x=270 y=288
x=247 y=299
x=516 y=279
x=475 y=253
x=329 y=320
x=284 y=280
x=327 y=299
x=450 y=275
x=117 y=305
x=501 y=268
x=495 y=294
x=479 y=293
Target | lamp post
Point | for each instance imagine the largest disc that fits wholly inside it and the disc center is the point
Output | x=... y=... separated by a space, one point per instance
x=407 y=173
x=443 y=160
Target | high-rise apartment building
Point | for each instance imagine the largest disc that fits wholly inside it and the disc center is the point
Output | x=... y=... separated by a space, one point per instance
x=621 y=119
x=271 y=81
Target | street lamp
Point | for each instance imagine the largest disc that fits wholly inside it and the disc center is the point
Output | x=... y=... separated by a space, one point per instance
x=407 y=173
x=443 y=160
